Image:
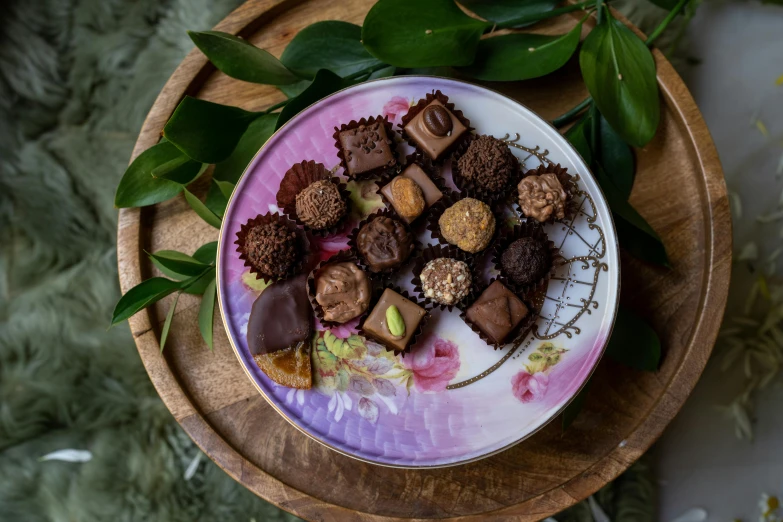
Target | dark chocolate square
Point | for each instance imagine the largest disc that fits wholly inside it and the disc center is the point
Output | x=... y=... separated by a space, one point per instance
x=433 y=146
x=375 y=324
x=366 y=148
x=497 y=312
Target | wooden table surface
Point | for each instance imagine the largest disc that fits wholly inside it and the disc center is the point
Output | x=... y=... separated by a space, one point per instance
x=679 y=189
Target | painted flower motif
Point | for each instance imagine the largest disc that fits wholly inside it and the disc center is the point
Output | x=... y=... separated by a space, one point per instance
x=343 y=331
x=329 y=246
x=434 y=364
x=529 y=387
x=395 y=108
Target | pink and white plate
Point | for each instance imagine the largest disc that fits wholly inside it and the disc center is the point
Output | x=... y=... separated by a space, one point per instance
x=453 y=399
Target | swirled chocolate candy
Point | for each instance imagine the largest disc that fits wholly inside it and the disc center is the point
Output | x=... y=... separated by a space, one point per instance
x=384 y=243
x=343 y=291
x=435 y=129
x=281 y=317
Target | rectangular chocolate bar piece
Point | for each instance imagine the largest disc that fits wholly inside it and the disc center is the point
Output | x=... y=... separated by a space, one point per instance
x=366 y=148
x=497 y=312
x=376 y=327
x=431 y=191
x=428 y=141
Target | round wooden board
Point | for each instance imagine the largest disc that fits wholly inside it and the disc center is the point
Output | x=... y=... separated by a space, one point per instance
x=679 y=190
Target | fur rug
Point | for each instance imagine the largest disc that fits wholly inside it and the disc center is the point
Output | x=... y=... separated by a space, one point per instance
x=77 y=78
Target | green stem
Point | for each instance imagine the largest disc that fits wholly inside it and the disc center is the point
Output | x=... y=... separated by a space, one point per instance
x=599 y=13
x=666 y=21
x=542 y=16
x=367 y=71
x=572 y=114
x=275 y=107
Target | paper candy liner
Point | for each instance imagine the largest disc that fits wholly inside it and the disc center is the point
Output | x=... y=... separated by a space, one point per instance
x=416 y=334
x=299 y=177
x=450 y=252
x=366 y=121
x=440 y=207
x=342 y=256
x=566 y=180
x=303 y=245
x=532 y=229
x=420 y=106
x=514 y=335
x=427 y=166
x=483 y=194
x=353 y=242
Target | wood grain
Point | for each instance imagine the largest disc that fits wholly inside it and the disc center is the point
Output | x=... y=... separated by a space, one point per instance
x=679 y=190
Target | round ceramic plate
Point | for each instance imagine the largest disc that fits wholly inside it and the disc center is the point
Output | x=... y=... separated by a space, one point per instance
x=454 y=398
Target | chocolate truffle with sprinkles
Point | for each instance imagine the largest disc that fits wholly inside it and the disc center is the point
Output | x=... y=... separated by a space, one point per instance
x=271 y=248
x=320 y=205
x=446 y=281
x=526 y=261
x=488 y=163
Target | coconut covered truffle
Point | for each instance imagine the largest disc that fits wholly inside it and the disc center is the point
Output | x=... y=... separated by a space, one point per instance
x=320 y=205
x=526 y=261
x=446 y=281
x=468 y=224
x=271 y=248
x=488 y=163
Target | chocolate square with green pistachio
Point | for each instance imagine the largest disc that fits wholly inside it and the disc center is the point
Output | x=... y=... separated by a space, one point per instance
x=366 y=148
x=392 y=328
x=497 y=312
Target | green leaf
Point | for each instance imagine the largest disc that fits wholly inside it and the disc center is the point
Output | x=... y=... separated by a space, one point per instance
x=619 y=72
x=231 y=168
x=205 y=131
x=521 y=56
x=634 y=343
x=141 y=296
x=181 y=169
x=295 y=89
x=177 y=263
x=669 y=4
x=324 y=84
x=164 y=334
x=201 y=209
x=226 y=188
x=635 y=234
x=206 y=312
x=616 y=158
x=409 y=33
x=573 y=409
x=240 y=59
x=207 y=253
x=502 y=11
x=577 y=135
x=333 y=45
x=138 y=188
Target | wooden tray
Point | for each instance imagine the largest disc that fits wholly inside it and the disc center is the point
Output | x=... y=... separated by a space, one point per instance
x=679 y=189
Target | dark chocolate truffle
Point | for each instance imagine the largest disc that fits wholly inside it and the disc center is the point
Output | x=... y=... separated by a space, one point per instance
x=384 y=243
x=488 y=163
x=281 y=317
x=469 y=224
x=320 y=205
x=526 y=261
x=343 y=291
x=271 y=248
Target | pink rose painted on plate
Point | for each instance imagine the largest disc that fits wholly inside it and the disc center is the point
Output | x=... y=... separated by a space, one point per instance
x=396 y=108
x=529 y=388
x=434 y=363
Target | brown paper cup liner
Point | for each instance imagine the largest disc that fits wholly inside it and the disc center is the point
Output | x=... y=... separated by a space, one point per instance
x=303 y=245
x=569 y=185
x=419 y=106
x=520 y=330
x=345 y=255
x=533 y=229
x=416 y=334
x=299 y=177
x=354 y=124
x=427 y=166
x=450 y=252
x=440 y=207
x=483 y=194
x=353 y=238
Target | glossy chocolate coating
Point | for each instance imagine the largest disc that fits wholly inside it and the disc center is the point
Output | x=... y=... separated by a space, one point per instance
x=280 y=318
x=384 y=243
x=497 y=312
x=431 y=192
x=366 y=148
x=433 y=144
x=437 y=120
x=343 y=291
x=375 y=325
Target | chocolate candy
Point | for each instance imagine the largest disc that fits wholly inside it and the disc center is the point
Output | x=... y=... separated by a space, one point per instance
x=497 y=312
x=429 y=190
x=281 y=317
x=343 y=291
x=488 y=163
x=446 y=281
x=384 y=243
x=271 y=248
x=366 y=148
x=320 y=205
x=376 y=326
x=431 y=132
x=526 y=261
x=542 y=197
x=469 y=224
